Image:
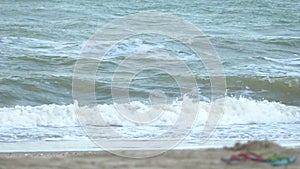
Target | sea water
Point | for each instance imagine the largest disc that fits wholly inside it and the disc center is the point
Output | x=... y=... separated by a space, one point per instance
x=40 y=41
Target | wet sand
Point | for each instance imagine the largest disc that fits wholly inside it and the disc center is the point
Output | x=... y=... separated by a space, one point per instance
x=175 y=159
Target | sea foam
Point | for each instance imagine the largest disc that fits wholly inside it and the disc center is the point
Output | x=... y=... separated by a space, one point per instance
x=235 y=111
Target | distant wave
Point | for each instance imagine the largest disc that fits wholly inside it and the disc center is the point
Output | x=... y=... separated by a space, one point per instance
x=287 y=61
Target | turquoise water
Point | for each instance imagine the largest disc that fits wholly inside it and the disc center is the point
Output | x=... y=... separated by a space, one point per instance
x=40 y=41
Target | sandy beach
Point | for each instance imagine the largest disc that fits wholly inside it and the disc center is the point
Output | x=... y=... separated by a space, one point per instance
x=201 y=159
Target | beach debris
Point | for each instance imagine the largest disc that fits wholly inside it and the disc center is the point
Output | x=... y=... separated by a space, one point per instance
x=274 y=159
x=244 y=157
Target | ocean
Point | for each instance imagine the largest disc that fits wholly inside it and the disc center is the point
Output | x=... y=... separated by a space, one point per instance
x=41 y=42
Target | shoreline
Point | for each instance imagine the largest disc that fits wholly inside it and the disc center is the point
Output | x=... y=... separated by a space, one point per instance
x=175 y=159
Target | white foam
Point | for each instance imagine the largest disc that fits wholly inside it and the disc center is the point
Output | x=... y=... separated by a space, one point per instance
x=236 y=111
x=44 y=115
x=243 y=110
